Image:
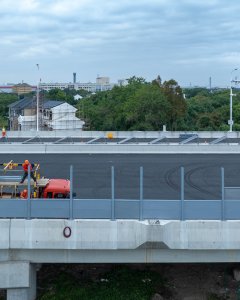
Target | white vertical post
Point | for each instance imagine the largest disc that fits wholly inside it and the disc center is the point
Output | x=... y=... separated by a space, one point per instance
x=141 y=195
x=182 y=193
x=231 y=95
x=223 y=194
x=38 y=107
x=113 y=194
x=37 y=112
x=29 y=194
x=71 y=194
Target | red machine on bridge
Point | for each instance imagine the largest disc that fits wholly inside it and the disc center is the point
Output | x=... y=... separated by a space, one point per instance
x=10 y=186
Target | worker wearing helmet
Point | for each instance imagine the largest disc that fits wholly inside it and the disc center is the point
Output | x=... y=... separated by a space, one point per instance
x=24 y=194
x=25 y=169
x=3 y=132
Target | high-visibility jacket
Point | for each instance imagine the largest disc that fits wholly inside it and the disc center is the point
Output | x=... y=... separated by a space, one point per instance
x=3 y=132
x=24 y=194
x=25 y=167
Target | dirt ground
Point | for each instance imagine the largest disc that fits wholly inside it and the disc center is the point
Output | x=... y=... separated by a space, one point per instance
x=201 y=281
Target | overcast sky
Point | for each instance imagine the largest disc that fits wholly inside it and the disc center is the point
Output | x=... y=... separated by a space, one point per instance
x=187 y=40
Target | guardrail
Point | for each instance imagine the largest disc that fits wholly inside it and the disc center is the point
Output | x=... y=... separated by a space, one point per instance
x=226 y=208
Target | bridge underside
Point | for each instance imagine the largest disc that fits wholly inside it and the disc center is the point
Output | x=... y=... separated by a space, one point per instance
x=122 y=256
x=25 y=244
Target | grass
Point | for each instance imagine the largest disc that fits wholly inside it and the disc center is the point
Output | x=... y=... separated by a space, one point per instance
x=123 y=283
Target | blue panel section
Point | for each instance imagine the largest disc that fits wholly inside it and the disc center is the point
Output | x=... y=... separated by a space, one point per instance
x=232 y=210
x=127 y=209
x=162 y=209
x=202 y=210
x=232 y=193
x=123 y=209
x=50 y=209
x=13 y=208
x=92 y=209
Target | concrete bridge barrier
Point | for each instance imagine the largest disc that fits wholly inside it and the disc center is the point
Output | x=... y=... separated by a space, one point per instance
x=120 y=148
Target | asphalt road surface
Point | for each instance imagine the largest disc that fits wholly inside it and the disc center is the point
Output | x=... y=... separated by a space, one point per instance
x=92 y=173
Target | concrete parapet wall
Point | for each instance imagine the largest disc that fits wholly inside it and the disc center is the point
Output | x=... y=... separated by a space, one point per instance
x=120 y=134
x=5 y=231
x=122 y=148
x=201 y=235
x=119 y=235
x=85 y=234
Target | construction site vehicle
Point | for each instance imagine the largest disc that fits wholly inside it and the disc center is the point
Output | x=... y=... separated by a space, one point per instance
x=10 y=186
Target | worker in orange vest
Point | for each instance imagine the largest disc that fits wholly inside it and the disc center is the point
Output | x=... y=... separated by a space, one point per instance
x=24 y=194
x=25 y=169
x=3 y=132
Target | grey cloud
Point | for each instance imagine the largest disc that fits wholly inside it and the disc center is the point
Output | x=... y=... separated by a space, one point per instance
x=179 y=32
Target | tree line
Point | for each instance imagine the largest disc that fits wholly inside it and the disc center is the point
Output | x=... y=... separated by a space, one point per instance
x=139 y=105
x=142 y=105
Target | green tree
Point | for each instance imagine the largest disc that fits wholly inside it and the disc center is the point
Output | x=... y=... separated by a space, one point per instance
x=146 y=109
x=105 y=110
x=141 y=105
x=5 y=100
x=177 y=107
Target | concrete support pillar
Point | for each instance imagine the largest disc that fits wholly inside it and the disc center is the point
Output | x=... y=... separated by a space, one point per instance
x=19 y=278
x=17 y=294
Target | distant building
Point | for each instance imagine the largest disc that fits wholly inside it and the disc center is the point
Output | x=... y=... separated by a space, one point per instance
x=59 y=115
x=53 y=115
x=25 y=107
x=122 y=82
x=102 y=80
x=5 y=89
x=101 y=84
x=22 y=88
x=77 y=97
x=74 y=77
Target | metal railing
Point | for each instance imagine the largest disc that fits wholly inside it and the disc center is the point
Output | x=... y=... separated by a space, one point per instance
x=226 y=208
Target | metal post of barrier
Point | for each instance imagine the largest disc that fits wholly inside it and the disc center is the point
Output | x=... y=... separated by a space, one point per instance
x=29 y=195
x=71 y=194
x=141 y=195
x=182 y=193
x=223 y=195
x=113 y=195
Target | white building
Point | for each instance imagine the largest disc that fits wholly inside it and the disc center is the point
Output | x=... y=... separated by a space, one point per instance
x=77 y=97
x=60 y=116
x=53 y=115
x=26 y=123
x=102 y=80
x=101 y=84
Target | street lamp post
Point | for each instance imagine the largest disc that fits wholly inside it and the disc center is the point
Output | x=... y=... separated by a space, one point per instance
x=230 y=122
